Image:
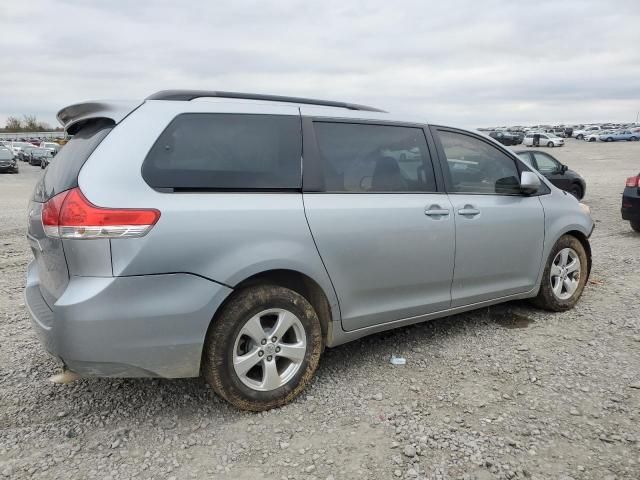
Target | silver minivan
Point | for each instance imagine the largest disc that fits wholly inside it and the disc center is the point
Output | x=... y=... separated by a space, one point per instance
x=236 y=236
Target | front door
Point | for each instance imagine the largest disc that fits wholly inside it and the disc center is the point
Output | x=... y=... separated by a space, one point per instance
x=499 y=231
x=384 y=232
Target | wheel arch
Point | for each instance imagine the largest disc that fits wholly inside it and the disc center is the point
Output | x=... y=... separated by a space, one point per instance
x=582 y=238
x=300 y=283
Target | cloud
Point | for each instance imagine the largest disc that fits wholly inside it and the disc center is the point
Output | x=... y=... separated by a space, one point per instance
x=460 y=62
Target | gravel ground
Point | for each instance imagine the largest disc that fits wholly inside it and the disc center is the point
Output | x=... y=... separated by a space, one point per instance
x=500 y=393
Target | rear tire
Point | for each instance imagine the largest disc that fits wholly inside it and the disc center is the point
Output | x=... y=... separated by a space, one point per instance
x=635 y=226
x=566 y=270
x=273 y=378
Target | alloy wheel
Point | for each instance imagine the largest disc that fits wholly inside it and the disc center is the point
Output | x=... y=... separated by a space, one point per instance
x=269 y=349
x=565 y=273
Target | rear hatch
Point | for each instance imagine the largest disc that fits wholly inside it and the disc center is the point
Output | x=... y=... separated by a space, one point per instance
x=60 y=176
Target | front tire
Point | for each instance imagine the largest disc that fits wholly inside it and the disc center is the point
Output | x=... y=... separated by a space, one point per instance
x=580 y=137
x=576 y=191
x=550 y=144
x=263 y=348
x=564 y=276
x=635 y=226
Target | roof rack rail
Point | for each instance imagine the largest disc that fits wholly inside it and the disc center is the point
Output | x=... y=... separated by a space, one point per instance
x=186 y=95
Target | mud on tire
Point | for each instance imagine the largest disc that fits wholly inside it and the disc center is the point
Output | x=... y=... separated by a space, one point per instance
x=221 y=341
x=546 y=298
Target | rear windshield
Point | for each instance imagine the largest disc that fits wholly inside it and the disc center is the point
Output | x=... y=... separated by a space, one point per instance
x=214 y=151
x=62 y=172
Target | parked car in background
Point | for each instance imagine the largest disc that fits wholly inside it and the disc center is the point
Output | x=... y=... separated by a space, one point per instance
x=8 y=160
x=53 y=146
x=631 y=202
x=557 y=132
x=519 y=134
x=240 y=260
x=18 y=146
x=557 y=173
x=39 y=154
x=568 y=132
x=545 y=140
x=594 y=136
x=619 y=135
x=25 y=153
x=505 y=138
x=580 y=134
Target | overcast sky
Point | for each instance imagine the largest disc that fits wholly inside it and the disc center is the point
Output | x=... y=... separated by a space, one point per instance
x=466 y=62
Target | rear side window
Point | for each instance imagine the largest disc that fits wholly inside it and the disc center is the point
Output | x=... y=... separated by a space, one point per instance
x=213 y=151
x=374 y=158
x=62 y=172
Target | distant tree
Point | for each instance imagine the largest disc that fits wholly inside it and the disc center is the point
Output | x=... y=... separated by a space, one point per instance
x=30 y=123
x=13 y=124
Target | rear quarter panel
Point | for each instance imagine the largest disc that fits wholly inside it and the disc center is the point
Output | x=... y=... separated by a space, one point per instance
x=225 y=237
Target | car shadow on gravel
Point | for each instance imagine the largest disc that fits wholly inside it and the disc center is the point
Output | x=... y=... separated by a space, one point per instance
x=427 y=335
x=168 y=400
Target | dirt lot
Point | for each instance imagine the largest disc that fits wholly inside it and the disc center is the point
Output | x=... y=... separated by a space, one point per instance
x=505 y=392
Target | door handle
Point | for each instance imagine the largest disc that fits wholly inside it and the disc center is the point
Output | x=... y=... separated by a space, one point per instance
x=436 y=211
x=469 y=211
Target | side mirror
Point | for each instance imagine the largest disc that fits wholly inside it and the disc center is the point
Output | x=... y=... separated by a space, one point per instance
x=563 y=169
x=529 y=183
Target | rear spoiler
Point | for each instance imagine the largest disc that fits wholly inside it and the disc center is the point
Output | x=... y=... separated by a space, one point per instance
x=75 y=116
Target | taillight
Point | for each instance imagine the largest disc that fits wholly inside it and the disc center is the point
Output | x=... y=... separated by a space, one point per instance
x=633 y=182
x=70 y=215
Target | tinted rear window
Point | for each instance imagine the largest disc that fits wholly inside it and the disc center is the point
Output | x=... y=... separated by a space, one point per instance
x=374 y=158
x=213 y=151
x=62 y=172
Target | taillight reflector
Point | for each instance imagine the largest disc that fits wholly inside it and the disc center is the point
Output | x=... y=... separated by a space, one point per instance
x=70 y=215
x=633 y=182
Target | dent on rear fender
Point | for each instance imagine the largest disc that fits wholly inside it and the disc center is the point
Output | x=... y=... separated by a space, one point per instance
x=155 y=323
x=317 y=274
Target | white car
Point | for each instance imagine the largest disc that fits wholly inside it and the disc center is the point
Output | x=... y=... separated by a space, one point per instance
x=51 y=146
x=581 y=134
x=593 y=136
x=18 y=146
x=598 y=135
x=546 y=139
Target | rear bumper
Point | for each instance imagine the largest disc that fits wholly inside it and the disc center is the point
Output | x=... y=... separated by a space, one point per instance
x=142 y=326
x=631 y=204
x=631 y=215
